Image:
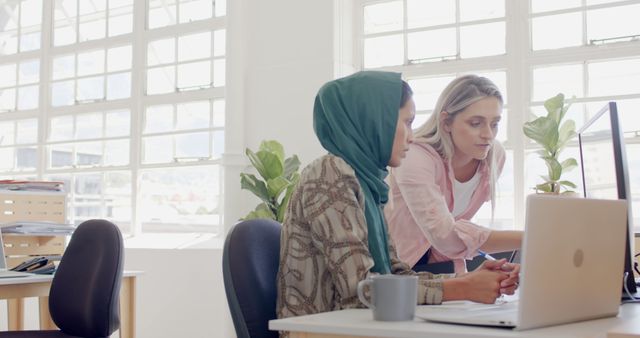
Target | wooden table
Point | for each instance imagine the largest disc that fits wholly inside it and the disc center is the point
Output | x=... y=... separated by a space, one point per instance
x=14 y=290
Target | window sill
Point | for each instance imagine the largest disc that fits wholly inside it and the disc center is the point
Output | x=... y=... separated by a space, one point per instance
x=176 y=241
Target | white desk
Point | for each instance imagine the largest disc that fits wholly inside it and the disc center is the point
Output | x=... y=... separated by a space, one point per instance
x=360 y=323
x=14 y=290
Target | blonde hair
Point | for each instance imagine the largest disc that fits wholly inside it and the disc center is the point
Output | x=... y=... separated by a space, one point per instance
x=456 y=97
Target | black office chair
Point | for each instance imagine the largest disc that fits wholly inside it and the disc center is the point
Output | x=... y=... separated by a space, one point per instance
x=250 y=261
x=84 y=295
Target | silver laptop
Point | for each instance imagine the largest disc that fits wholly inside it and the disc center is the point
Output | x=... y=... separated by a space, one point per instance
x=572 y=267
x=4 y=273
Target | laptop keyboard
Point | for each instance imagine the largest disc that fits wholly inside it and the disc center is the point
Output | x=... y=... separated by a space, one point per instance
x=487 y=310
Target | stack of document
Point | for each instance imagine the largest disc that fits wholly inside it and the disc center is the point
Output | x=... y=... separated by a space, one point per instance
x=37 y=228
x=39 y=265
x=32 y=185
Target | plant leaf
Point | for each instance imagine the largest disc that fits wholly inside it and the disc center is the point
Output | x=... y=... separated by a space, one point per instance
x=274 y=147
x=547 y=157
x=554 y=107
x=282 y=208
x=555 y=169
x=566 y=107
x=272 y=166
x=568 y=184
x=544 y=131
x=255 y=161
x=276 y=186
x=546 y=187
x=295 y=177
x=569 y=164
x=543 y=153
x=256 y=186
x=567 y=132
x=291 y=165
x=261 y=211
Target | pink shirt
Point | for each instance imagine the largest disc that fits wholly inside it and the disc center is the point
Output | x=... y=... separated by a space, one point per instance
x=420 y=203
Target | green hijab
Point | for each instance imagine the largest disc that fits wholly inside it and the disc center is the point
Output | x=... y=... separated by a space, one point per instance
x=355 y=119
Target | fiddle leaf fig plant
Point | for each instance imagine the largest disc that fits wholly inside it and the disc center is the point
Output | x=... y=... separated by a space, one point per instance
x=279 y=178
x=553 y=133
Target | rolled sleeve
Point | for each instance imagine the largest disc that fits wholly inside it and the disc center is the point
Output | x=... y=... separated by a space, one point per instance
x=430 y=291
x=430 y=287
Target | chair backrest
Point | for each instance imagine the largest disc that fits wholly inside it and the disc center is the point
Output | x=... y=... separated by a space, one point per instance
x=83 y=300
x=250 y=261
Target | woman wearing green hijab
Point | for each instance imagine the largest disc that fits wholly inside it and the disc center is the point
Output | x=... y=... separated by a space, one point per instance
x=334 y=234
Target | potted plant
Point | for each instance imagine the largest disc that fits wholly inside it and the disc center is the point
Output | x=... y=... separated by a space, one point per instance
x=553 y=134
x=279 y=178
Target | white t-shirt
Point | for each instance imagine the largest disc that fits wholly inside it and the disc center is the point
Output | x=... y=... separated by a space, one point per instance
x=462 y=192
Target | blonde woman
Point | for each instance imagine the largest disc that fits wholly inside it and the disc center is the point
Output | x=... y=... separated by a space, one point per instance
x=450 y=170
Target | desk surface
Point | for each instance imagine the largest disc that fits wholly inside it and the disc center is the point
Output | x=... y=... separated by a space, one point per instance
x=47 y=278
x=359 y=323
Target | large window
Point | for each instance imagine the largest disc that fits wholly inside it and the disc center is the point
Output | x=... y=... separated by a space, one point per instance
x=81 y=20
x=586 y=49
x=21 y=23
x=91 y=76
x=123 y=101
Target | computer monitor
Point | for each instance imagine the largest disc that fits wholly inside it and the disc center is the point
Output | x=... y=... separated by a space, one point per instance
x=604 y=171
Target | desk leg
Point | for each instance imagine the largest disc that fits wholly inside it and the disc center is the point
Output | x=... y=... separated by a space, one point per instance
x=128 y=308
x=15 y=314
x=46 y=323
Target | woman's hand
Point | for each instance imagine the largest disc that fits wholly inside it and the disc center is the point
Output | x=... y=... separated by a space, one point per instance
x=509 y=285
x=483 y=285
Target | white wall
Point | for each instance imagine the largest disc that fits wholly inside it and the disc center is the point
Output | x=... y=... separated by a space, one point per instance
x=279 y=54
x=181 y=293
x=290 y=57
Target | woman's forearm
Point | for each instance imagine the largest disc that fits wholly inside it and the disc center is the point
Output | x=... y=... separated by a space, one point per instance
x=503 y=240
x=454 y=289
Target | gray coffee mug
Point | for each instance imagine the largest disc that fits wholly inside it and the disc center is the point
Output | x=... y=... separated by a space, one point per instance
x=393 y=297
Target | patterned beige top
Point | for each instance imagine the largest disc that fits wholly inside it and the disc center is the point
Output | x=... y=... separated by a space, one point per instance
x=324 y=251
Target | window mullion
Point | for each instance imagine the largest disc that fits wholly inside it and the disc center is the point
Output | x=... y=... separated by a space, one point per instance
x=45 y=86
x=107 y=22
x=77 y=22
x=518 y=87
x=139 y=50
x=358 y=30
x=457 y=23
x=19 y=27
x=405 y=35
x=585 y=41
